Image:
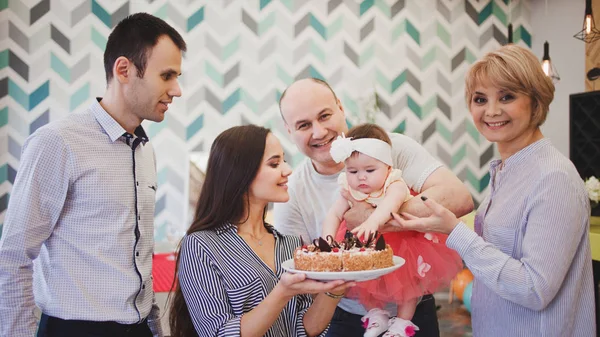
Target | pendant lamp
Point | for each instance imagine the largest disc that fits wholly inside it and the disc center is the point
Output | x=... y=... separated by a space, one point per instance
x=589 y=33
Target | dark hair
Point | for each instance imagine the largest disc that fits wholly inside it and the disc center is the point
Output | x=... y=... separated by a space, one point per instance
x=368 y=130
x=316 y=80
x=134 y=37
x=234 y=160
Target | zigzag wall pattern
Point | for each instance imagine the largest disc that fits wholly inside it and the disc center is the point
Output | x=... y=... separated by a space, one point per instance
x=242 y=55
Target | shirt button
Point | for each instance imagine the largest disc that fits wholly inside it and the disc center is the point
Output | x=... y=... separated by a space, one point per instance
x=144 y=286
x=137 y=253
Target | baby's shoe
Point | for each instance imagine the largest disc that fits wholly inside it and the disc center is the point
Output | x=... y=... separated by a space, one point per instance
x=399 y=327
x=375 y=322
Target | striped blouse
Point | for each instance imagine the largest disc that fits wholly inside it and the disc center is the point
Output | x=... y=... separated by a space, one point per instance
x=530 y=252
x=222 y=278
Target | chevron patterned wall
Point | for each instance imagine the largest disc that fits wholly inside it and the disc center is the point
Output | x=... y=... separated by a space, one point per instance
x=242 y=55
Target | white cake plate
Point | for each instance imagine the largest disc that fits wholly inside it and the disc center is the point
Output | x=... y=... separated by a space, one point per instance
x=363 y=275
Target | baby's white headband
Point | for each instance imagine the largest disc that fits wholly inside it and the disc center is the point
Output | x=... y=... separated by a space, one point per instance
x=342 y=148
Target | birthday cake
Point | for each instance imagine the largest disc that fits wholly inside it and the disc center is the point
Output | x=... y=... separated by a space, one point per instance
x=327 y=255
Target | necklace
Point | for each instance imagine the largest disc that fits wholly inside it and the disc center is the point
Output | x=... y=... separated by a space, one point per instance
x=258 y=240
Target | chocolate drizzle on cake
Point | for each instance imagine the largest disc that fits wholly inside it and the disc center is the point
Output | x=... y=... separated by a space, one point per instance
x=324 y=245
x=380 y=244
x=375 y=241
x=331 y=241
x=372 y=238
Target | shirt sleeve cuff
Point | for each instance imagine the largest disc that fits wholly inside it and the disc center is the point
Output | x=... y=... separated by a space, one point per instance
x=461 y=238
x=426 y=173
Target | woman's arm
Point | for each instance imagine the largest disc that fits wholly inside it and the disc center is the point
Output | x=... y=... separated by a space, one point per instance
x=257 y=321
x=319 y=314
x=314 y=319
x=334 y=217
x=555 y=229
x=395 y=195
x=557 y=222
x=209 y=304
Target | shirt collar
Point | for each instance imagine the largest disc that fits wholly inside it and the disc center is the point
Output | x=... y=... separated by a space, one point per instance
x=229 y=227
x=112 y=128
x=521 y=155
x=226 y=227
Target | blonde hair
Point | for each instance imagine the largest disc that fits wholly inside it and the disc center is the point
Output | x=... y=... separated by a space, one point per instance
x=516 y=69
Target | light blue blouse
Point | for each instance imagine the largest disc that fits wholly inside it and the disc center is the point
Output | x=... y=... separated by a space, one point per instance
x=530 y=252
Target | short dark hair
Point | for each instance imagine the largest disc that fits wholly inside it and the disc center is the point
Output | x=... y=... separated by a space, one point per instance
x=368 y=130
x=233 y=163
x=314 y=79
x=134 y=37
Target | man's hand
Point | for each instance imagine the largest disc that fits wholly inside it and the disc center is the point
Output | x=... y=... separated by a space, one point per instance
x=358 y=213
x=441 y=220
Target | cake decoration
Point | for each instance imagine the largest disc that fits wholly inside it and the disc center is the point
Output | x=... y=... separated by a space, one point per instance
x=380 y=244
x=324 y=245
x=351 y=254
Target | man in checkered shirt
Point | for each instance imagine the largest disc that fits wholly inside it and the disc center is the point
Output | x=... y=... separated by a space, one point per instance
x=78 y=234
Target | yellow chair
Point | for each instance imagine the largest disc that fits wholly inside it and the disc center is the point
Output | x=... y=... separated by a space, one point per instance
x=595 y=237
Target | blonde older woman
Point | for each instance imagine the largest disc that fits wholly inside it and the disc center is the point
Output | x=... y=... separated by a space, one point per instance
x=530 y=252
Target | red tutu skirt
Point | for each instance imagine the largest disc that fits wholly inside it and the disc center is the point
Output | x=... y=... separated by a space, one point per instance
x=429 y=266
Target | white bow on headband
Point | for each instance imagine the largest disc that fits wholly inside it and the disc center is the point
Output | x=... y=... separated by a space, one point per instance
x=342 y=148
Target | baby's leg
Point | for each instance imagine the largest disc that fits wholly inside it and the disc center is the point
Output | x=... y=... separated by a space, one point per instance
x=402 y=325
x=406 y=310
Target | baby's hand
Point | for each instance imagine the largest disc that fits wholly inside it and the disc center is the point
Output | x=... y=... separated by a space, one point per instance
x=365 y=229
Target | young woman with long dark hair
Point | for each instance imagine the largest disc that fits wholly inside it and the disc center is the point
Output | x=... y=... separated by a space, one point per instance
x=230 y=281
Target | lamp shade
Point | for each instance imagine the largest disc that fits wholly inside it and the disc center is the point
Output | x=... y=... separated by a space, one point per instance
x=588 y=33
x=547 y=66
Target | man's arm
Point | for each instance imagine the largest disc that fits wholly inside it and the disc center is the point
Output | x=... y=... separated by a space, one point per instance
x=36 y=202
x=441 y=185
x=426 y=175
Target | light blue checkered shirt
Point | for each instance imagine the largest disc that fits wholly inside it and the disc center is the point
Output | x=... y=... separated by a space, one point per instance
x=73 y=208
x=530 y=252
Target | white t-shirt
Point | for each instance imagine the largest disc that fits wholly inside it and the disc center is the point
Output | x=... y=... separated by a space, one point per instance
x=312 y=194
